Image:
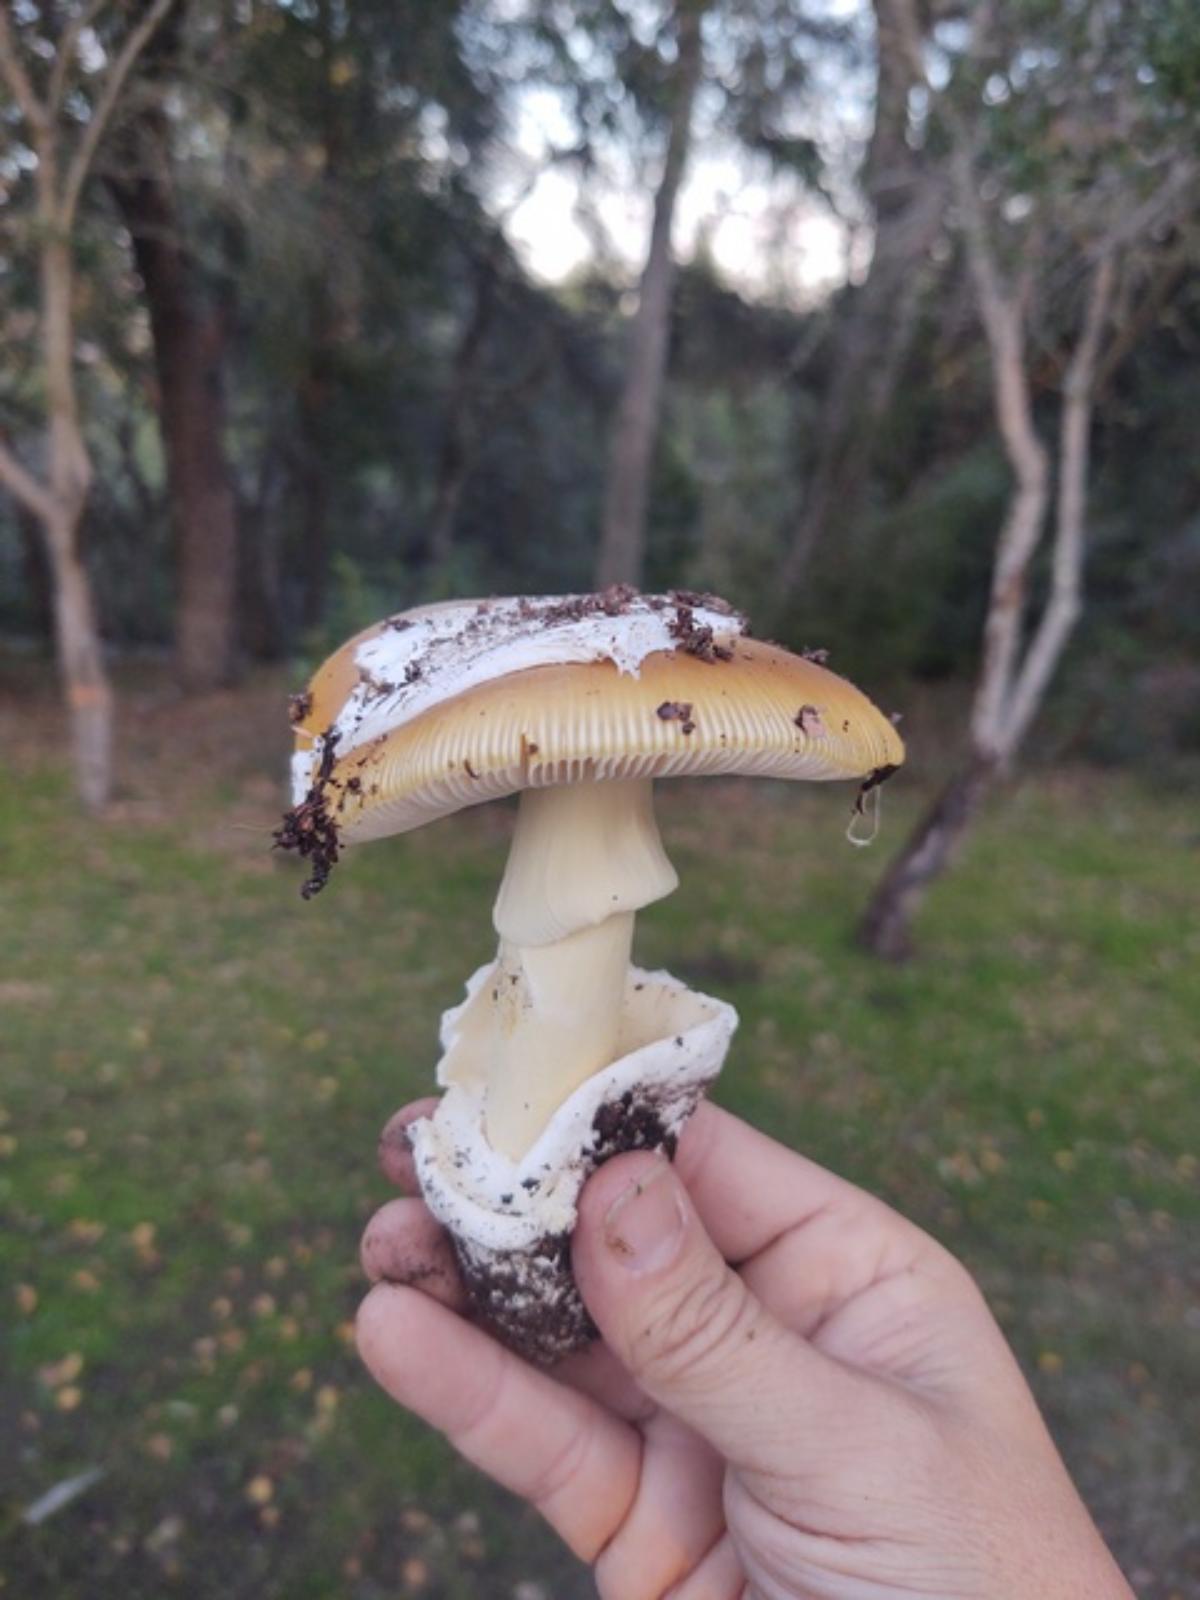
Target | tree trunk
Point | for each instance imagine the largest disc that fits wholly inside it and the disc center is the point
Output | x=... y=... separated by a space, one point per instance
x=621 y=555
x=1012 y=678
x=886 y=926
x=80 y=651
x=59 y=502
x=189 y=352
x=1065 y=600
x=81 y=665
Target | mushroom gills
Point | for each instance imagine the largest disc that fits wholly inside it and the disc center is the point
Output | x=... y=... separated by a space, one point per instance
x=585 y=858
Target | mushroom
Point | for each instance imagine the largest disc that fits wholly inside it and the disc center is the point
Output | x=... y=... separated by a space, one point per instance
x=562 y=1052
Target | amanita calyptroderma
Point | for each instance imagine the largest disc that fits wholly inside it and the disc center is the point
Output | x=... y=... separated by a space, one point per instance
x=562 y=1053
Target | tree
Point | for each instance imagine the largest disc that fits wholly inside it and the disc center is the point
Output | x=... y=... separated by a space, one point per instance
x=1069 y=207
x=750 y=67
x=189 y=324
x=358 y=138
x=623 y=528
x=57 y=495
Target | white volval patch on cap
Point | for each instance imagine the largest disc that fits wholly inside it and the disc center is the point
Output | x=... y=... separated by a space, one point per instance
x=304 y=764
x=672 y=1043
x=426 y=657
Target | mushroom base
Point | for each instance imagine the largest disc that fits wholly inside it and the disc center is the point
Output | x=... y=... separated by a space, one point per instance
x=511 y=1221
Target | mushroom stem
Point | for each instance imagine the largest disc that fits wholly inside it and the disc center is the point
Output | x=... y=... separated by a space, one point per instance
x=585 y=858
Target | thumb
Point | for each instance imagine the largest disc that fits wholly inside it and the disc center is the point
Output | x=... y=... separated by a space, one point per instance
x=687 y=1327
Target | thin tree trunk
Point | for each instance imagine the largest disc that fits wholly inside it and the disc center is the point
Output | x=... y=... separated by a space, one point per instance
x=1070 y=531
x=81 y=664
x=621 y=556
x=189 y=352
x=886 y=927
x=59 y=501
x=1012 y=683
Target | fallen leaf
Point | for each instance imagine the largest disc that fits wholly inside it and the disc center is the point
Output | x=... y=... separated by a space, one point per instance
x=57 y=1373
x=84 y=1230
x=414 y=1574
x=260 y=1491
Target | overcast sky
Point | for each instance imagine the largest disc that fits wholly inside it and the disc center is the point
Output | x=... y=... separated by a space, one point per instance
x=766 y=233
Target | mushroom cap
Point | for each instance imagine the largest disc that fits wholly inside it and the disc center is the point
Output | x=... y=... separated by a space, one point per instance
x=446 y=706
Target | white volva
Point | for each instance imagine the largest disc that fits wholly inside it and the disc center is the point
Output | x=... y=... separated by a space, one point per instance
x=585 y=857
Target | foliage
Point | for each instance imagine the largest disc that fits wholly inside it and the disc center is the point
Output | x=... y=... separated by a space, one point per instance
x=339 y=168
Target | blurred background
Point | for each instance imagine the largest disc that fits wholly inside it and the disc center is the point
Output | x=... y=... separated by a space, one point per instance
x=879 y=319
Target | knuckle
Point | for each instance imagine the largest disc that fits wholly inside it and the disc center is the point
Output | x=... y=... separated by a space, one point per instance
x=686 y=1332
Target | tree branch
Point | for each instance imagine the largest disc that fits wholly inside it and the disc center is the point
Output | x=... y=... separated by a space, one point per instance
x=65 y=53
x=1070 y=530
x=26 y=489
x=1002 y=315
x=135 y=42
x=1156 y=208
x=12 y=70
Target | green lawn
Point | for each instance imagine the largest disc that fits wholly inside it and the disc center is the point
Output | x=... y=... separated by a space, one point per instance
x=194 y=1065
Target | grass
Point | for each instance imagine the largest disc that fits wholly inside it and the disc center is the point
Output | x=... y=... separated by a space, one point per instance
x=194 y=1065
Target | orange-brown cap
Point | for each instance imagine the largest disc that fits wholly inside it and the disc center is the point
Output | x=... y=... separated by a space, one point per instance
x=445 y=706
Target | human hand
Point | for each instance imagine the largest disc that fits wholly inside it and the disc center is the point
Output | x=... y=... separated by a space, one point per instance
x=797 y=1392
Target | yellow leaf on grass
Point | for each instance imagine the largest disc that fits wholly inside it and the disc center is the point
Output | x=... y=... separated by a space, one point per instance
x=58 y=1373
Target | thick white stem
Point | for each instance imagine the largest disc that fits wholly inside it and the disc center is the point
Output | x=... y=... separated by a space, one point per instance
x=555 y=1022
x=585 y=858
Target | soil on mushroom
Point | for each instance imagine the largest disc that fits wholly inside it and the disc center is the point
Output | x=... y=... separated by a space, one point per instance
x=309 y=828
x=529 y=1300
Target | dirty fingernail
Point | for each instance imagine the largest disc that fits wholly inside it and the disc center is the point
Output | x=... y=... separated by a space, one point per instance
x=644 y=1224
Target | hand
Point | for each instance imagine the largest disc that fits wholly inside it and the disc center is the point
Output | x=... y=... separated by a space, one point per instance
x=797 y=1393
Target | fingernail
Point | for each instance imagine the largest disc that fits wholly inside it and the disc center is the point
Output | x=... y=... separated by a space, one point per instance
x=644 y=1225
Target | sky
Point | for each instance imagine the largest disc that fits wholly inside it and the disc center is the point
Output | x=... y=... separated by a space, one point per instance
x=797 y=257
x=766 y=234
